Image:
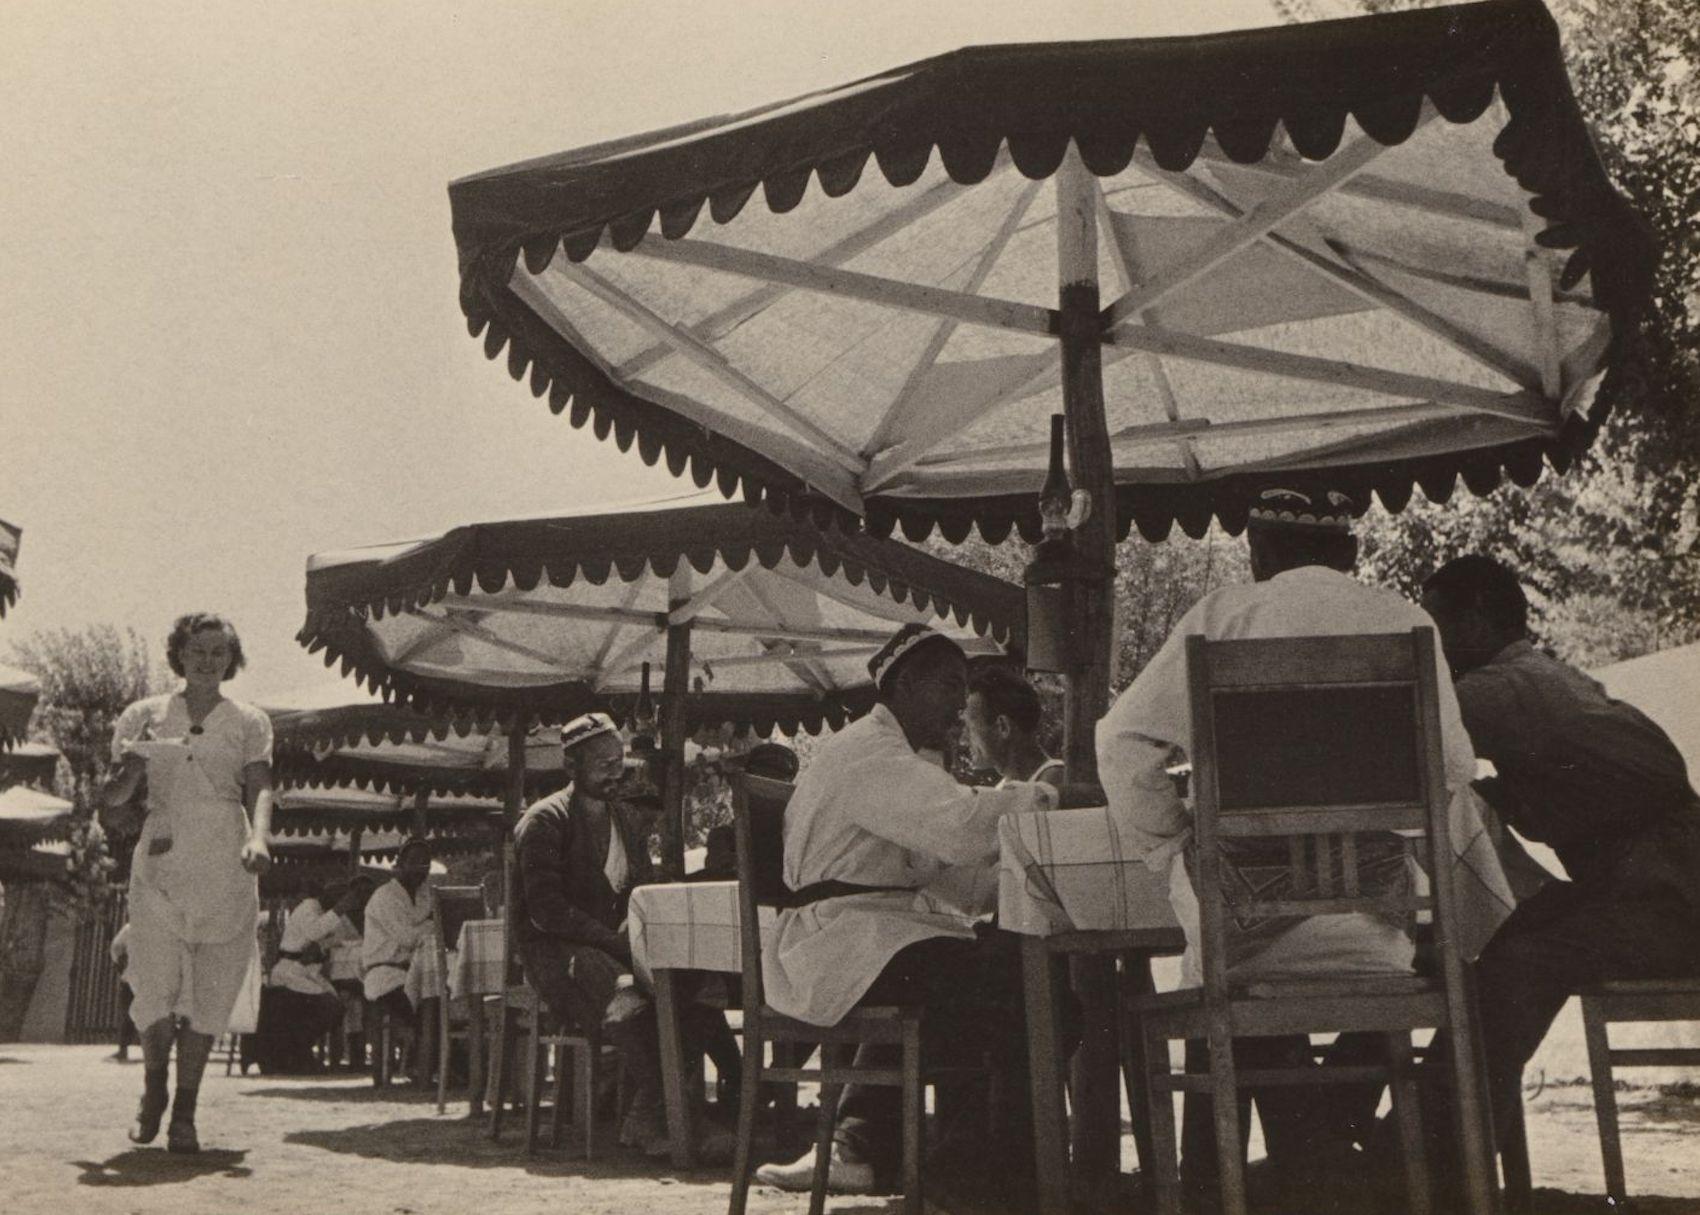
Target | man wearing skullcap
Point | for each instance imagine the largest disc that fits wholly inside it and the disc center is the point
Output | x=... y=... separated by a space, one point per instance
x=398 y=919
x=874 y=819
x=1303 y=553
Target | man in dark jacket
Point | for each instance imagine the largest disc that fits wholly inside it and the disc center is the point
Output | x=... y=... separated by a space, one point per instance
x=579 y=855
x=1596 y=780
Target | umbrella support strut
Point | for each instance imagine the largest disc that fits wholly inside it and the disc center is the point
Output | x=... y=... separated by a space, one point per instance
x=676 y=678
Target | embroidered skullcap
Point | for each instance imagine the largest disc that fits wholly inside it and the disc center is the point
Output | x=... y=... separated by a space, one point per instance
x=582 y=729
x=911 y=637
x=1328 y=509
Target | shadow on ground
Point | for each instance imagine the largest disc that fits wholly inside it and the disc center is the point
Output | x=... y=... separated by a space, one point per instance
x=156 y=1166
x=348 y=1092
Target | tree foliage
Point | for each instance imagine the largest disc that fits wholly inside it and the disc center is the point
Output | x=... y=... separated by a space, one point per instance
x=87 y=678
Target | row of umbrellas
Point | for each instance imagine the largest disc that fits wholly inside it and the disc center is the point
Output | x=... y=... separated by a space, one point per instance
x=1371 y=255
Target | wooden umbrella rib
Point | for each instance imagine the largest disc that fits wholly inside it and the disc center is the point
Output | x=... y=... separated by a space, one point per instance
x=479 y=633
x=614 y=629
x=1543 y=319
x=1519 y=406
x=1128 y=267
x=1286 y=200
x=705 y=357
x=856 y=243
x=852 y=284
x=705 y=597
x=897 y=412
x=810 y=673
x=1321 y=259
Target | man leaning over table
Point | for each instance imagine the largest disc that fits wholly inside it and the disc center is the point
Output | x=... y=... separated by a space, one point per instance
x=874 y=818
x=1303 y=553
x=398 y=917
x=1596 y=780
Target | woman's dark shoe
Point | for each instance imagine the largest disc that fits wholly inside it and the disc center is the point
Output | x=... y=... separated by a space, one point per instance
x=180 y=1137
x=152 y=1108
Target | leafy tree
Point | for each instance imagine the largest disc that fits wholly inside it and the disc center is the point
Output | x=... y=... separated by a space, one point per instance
x=87 y=677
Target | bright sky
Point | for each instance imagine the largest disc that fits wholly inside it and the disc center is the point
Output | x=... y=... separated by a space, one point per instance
x=229 y=334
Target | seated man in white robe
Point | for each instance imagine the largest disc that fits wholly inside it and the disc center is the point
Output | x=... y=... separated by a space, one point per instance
x=871 y=824
x=398 y=922
x=1302 y=556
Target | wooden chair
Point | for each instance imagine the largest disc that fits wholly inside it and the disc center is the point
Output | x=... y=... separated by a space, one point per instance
x=452 y=906
x=1621 y=1003
x=577 y=1059
x=1321 y=745
x=758 y=813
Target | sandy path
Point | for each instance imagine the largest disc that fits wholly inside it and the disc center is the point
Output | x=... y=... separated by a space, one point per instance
x=301 y=1146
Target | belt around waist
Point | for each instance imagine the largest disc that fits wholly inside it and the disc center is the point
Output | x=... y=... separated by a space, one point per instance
x=831 y=888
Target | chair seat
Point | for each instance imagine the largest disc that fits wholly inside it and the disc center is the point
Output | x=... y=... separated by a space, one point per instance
x=1332 y=1007
x=876 y=1024
x=1645 y=987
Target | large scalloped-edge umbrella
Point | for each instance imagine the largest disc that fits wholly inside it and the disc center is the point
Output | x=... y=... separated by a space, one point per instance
x=318 y=812
x=10 y=538
x=754 y=619
x=1374 y=253
x=19 y=691
x=28 y=815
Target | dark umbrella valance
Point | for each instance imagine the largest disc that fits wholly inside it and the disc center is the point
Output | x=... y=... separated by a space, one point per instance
x=1278 y=205
x=9 y=540
x=316 y=812
x=549 y=618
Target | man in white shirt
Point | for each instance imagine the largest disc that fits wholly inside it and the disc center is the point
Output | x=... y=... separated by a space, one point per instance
x=1302 y=555
x=1002 y=724
x=398 y=920
x=298 y=1005
x=871 y=823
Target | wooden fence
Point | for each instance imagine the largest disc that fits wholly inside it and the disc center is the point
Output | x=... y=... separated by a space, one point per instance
x=91 y=1007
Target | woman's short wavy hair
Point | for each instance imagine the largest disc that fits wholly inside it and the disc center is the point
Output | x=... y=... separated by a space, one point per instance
x=197 y=622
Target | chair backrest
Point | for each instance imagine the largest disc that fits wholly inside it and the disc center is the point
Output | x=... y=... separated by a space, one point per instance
x=758 y=822
x=451 y=906
x=1308 y=753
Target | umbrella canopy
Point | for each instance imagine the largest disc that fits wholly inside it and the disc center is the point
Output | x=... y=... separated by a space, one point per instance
x=318 y=812
x=1666 y=687
x=10 y=537
x=547 y=618
x=19 y=691
x=29 y=764
x=1324 y=249
x=28 y=815
x=391 y=749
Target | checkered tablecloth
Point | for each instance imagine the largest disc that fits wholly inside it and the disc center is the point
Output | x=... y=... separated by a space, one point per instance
x=687 y=926
x=1067 y=870
x=474 y=965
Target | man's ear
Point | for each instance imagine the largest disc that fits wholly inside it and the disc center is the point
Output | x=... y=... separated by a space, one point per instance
x=1005 y=727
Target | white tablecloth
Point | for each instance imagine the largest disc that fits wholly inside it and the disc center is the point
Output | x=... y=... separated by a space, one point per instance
x=1067 y=870
x=474 y=965
x=687 y=926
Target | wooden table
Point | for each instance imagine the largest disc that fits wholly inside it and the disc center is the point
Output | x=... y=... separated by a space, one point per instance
x=474 y=972
x=1067 y=886
x=683 y=926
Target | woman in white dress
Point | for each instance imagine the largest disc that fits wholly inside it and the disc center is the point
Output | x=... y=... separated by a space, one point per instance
x=194 y=897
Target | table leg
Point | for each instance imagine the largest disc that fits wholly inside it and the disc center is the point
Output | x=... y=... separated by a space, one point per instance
x=1050 y=1145
x=1136 y=981
x=1096 y=1129
x=475 y=1053
x=679 y=1126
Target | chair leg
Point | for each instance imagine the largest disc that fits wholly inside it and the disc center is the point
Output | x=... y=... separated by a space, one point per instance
x=499 y=1068
x=749 y=1097
x=1513 y=1143
x=381 y=1064
x=1407 y=1111
x=442 y=1053
x=914 y=1097
x=534 y=1062
x=586 y=1092
x=1225 y=1110
x=1605 y=1100
x=1135 y=982
x=826 y=1121
x=1163 y=1164
x=567 y=1074
x=1470 y=1099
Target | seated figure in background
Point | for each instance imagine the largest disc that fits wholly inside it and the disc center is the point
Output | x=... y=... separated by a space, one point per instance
x=1596 y=780
x=398 y=925
x=1002 y=723
x=298 y=1005
x=579 y=854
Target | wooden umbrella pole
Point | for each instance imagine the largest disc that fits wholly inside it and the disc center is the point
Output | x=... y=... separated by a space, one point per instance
x=513 y=805
x=421 y=799
x=1095 y=1132
x=1091 y=469
x=676 y=676
x=354 y=851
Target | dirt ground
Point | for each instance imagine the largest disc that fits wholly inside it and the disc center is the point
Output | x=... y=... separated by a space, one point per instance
x=277 y=1146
